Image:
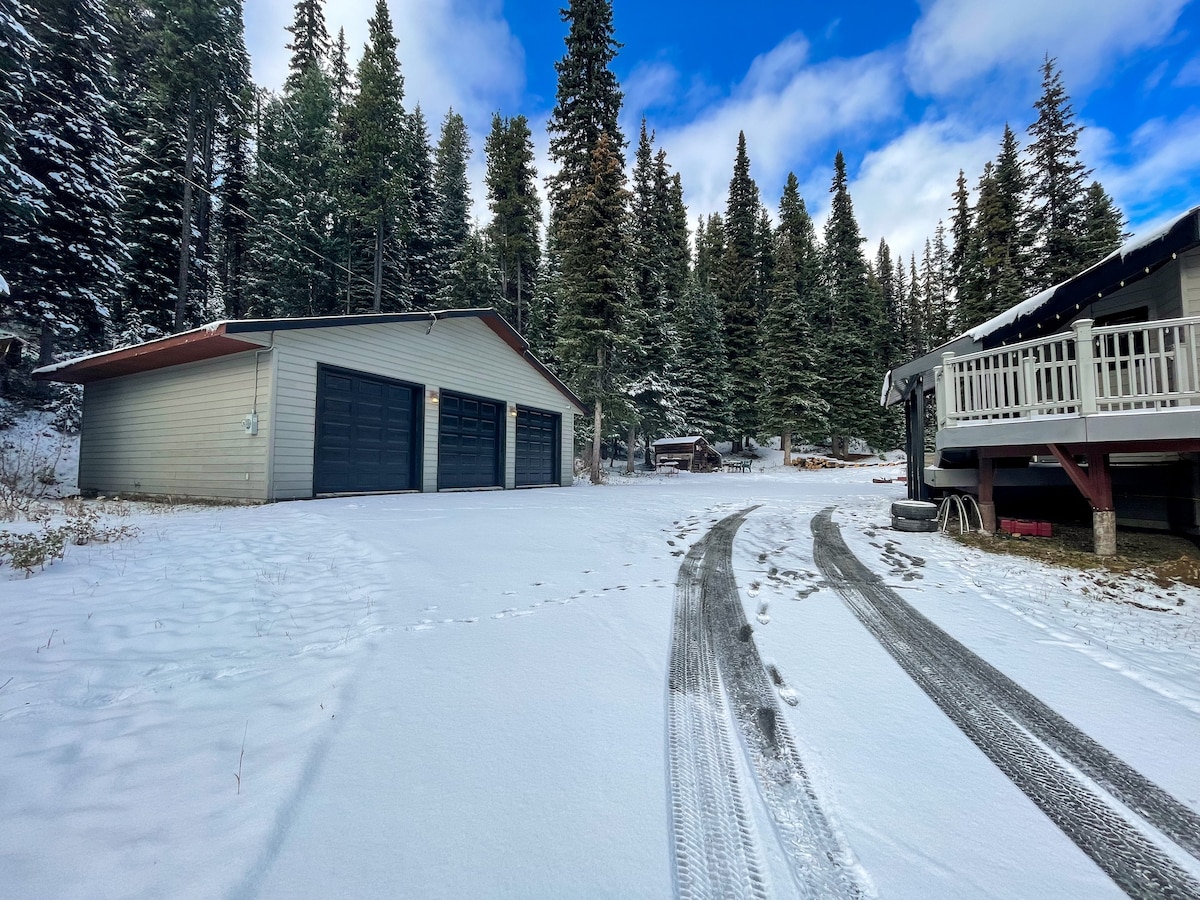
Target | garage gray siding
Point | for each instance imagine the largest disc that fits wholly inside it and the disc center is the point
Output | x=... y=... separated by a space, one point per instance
x=460 y=355
x=179 y=431
x=1189 y=277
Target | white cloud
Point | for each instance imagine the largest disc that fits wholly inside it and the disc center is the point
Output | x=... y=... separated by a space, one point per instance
x=1189 y=75
x=788 y=111
x=1159 y=169
x=901 y=190
x=648 y=86
x=958 y=42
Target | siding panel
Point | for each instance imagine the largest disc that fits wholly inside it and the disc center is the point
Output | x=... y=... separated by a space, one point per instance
x=179 y=431
x=1189 y=275
x=458 y=355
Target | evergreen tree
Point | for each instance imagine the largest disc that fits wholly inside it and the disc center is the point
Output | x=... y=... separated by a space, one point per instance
x=960 y=233
x=885 y=277
x=739 y=287
x=587 y=198
x=650 y=336
x=472 y=280
x=676 y=250
x=588 y=99
x=373 y=130
x=516 y=215
x=340 y=74
x=1057 y=188
x=1103 y=225
x=419 y=258
x=854 y=323
x=792 y=383
x=998 y=253
x=593 y=314
x=710 y=250
x=702 y=370
x=62 y=265
x=452 y=195
x=940 y=290
x=914 y=304
x=21 y=198
x=310 y=42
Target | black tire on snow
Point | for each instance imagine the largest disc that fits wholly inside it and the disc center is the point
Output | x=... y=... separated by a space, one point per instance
x=914 y=524
x=914 y=509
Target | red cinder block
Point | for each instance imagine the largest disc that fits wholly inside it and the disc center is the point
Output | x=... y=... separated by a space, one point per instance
x=1044 y=529
x=1007 y=526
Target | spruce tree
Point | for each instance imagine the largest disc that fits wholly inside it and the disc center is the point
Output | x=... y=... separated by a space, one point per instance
x=418 y=256
x=472 y=280
x=1057 y=186
x=792 y=384
x=373 y=130
x=587 y=198
x=739 y=283
x=452 y=194
x=516 y=215
x=62 y=265
x=1103 y=225
x=21 y=198
x=854 y=323
x=960 y=234
x=340 y=74
x=310 y=41
x=702 y=371
x=593 y=314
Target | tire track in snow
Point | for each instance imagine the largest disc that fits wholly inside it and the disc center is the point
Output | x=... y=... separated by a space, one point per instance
x=717 y=677
x=1042 y=753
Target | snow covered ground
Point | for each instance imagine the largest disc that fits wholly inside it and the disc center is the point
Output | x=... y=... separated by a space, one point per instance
x=464 y=695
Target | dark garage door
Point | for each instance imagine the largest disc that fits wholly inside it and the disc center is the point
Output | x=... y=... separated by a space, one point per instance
x=537 y=447
x=367 y=433
x=470 y=442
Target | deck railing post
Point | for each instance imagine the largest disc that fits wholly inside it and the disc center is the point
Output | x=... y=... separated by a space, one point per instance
x=1085 y=363
x=1029 y=386
x=944 y=379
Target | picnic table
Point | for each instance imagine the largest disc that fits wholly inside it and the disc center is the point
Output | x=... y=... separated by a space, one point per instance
x=738 y=465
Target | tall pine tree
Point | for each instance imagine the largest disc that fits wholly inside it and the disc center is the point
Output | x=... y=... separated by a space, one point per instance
x=740 y=294
x=373 y=131
x=587 y=198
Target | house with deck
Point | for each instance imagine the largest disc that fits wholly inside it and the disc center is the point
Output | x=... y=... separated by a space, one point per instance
x=1090 y=389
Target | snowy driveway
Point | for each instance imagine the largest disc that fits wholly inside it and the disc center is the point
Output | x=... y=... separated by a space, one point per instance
x=465 y=695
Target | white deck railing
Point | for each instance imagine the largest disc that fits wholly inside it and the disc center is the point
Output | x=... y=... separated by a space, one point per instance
x=1147 y=365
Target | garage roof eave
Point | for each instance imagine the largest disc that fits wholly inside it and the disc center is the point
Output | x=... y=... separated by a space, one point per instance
x=208 y=342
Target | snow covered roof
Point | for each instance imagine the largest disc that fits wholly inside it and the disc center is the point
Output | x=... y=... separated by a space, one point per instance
x=235 y=336
x=1131 y=262
x=1048 y=311
x=691 y=439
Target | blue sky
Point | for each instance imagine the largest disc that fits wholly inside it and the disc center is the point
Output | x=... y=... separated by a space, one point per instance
x=910 y=92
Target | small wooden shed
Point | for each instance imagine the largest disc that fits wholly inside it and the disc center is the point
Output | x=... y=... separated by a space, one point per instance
x=689 y=454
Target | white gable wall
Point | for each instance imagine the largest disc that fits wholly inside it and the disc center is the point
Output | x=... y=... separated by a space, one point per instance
x=461 y=355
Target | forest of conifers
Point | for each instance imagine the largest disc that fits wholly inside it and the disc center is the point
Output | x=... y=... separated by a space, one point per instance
x=147 y=186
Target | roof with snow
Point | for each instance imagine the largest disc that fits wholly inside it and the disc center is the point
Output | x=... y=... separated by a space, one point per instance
x=679 y=440
x=225 y=338
x=1046 y=312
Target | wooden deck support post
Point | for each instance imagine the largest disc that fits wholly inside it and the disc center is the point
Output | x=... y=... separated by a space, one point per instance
x=987 y=505
x=1096 y=485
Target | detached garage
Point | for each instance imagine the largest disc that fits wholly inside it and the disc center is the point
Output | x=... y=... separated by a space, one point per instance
x=278 y=409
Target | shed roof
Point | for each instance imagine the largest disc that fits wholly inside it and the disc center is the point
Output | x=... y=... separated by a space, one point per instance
x=1048 y=311
x=227 y=337
x=662 y=442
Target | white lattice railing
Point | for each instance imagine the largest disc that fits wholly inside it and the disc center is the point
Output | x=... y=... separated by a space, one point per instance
x=1147 y=365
